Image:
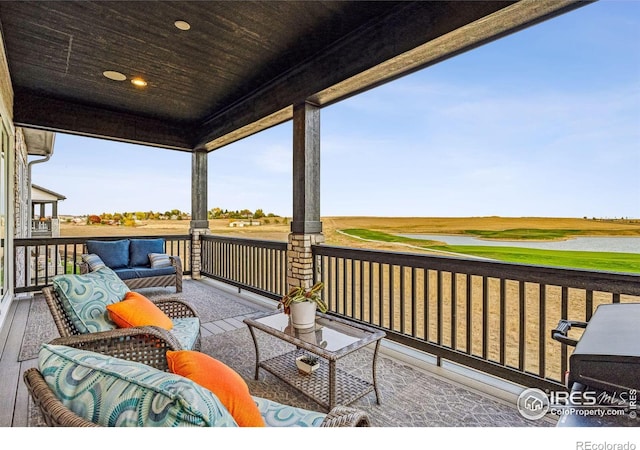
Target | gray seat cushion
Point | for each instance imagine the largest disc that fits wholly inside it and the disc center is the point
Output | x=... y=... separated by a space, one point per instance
x=129 y=273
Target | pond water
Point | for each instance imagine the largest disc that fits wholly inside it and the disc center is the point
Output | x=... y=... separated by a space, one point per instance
x=590 y=244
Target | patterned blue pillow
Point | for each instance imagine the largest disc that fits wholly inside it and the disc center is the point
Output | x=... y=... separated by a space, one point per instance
x=85 y=298
x=186 y=330
x=159 y=260
x=279 y=415
x=94 y=262
x=113 y=392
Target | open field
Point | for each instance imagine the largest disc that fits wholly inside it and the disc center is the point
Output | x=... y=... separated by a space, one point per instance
x=413 y=225
x=375 y=233
x=177 y=227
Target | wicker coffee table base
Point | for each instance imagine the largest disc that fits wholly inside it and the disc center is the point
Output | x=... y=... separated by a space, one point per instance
x=318 y=386
x=328 y=385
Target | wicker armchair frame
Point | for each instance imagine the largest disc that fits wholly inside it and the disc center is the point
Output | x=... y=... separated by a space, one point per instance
x=55 y=414
x=135 y=340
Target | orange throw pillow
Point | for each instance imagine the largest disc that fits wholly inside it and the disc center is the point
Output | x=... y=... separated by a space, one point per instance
x=220 y=379
x=136 y=310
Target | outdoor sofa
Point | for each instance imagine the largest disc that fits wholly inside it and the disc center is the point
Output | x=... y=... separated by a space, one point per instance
x=139 y=262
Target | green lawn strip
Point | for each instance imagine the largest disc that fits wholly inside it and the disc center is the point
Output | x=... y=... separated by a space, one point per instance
x=372 y=235
x=609 y=261
x=538 y=234
x=524 y=233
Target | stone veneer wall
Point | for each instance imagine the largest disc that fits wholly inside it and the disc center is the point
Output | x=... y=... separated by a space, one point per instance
x=21 y=199
x=196 y=250
x=300 y=259
x=6 y=115
x=21 y=207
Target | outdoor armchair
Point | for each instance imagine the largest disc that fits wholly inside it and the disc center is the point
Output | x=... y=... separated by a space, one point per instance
x=101 y=373
x=105 y=335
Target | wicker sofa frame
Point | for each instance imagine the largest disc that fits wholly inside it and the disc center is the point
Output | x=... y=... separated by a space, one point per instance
x=154 y=281
x=55 y=414
x=126 y=343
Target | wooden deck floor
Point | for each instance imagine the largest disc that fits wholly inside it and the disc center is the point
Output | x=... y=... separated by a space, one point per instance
x=13 y=393
x=14 y=398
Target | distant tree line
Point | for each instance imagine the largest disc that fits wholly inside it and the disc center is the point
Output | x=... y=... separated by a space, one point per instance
x=219 y=213
x=130 y=218
x=614 y=219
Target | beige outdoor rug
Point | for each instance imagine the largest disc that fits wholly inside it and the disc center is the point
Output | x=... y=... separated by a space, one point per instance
x=410 y=397
x=211 y=304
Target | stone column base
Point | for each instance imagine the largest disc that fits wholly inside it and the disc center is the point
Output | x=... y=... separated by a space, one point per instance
x=300 y=259
x=196 y=251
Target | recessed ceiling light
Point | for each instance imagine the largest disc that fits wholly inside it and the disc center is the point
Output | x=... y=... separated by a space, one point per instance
x=113 y=75
x=182 y=25
x=139 y=82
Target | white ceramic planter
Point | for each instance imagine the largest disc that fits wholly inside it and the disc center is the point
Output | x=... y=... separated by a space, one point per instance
x=303 y=314
x=305 y=368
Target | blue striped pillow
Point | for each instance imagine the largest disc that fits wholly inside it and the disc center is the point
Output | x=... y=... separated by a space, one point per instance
x=94 y=261
x=159 y=260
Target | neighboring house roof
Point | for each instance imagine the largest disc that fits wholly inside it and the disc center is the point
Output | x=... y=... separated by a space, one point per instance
x=40 y=194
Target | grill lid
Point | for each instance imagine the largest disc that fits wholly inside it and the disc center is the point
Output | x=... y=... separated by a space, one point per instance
x=607 y=356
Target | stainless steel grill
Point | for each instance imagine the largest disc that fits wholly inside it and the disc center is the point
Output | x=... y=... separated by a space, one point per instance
x=607 y=356
x=604 y=367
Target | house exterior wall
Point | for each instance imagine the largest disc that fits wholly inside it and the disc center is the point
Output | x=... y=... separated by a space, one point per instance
x=6 y=186
x=6 y=90
x=21 y=200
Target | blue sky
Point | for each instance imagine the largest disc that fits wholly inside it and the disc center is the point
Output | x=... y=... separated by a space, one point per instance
x=544 y=122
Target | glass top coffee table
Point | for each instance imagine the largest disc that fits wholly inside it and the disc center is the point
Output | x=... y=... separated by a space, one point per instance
x=331 y=339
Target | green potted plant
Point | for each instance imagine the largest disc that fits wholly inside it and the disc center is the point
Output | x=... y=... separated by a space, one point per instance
x=301 y=305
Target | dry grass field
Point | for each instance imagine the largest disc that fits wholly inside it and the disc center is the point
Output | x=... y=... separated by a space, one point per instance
x=461 y=310
x=331 y=225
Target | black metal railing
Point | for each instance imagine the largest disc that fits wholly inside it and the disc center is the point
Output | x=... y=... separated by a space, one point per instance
x=491 y=316
x=254 y=265
x=39 y=259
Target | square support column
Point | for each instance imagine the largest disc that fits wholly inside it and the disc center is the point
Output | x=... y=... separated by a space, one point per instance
x=199 y=221
x=306 y=169
x=306 y=227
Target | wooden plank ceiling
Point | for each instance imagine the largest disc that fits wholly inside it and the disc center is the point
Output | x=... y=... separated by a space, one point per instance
x=238 y=69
